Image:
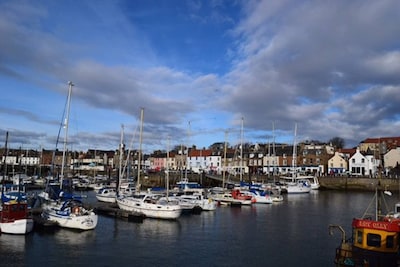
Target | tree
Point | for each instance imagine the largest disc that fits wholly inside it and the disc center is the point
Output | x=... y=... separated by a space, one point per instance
x=337 y=142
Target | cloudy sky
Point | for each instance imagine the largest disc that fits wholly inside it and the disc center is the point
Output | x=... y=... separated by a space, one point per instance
x=200 y=69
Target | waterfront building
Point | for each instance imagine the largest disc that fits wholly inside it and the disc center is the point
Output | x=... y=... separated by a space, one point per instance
x=363 y=164
x=338 y=164
x=391 y=159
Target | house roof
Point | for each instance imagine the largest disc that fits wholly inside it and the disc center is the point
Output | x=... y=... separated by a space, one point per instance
x=200 y=153
x=391 y=142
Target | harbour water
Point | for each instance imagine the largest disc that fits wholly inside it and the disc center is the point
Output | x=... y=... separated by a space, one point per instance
x=291 y=233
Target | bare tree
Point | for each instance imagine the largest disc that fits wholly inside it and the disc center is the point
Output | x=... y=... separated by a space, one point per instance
x=337 y=142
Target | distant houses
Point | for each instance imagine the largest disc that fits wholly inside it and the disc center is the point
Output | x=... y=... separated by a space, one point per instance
x=372 y=157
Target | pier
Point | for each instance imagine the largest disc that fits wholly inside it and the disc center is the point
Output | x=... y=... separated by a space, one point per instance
x=112 y=210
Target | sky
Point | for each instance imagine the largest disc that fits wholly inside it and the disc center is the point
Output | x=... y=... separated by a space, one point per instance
x=202 y=72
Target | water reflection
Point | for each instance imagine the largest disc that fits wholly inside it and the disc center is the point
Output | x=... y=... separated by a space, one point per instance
x=70 y=237
x=12 y=249
x=12 y=243
x=159 y=228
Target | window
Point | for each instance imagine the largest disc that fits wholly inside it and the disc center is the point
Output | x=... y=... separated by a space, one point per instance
x=359 y=237
x=353 y=160
x=362 y=160
x=390 y=241
x=374 y=240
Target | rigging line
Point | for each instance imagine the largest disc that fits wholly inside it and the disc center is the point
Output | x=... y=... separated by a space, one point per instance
x=129 y=152
x=58 y=135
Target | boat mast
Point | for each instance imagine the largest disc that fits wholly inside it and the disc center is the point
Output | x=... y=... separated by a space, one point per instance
x=140 y=149
x=121 y=151
x=224 y=168
x=273 y=151
x=5 y=153
x=66 y=122
x=294 y=159
x=241 y=150
x=167 y=173
x=187 y=154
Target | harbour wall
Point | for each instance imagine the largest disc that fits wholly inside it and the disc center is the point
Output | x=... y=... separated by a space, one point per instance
x=364 y=184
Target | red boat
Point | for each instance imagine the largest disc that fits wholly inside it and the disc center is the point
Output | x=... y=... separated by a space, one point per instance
x=241 y=198
x=374 y=241
x=15 y=216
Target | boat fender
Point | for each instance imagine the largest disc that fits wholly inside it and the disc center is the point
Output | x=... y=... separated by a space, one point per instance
x=75 y=210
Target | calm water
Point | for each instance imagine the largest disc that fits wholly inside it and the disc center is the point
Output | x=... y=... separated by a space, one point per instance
x=291 y=233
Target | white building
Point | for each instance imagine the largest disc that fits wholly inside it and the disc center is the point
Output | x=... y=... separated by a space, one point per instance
x=363 y=164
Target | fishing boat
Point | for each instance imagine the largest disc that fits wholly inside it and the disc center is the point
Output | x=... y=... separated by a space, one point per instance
x=15 y=213
x=375 y=237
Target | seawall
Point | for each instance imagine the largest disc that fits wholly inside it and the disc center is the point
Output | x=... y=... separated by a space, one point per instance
x=364 y=184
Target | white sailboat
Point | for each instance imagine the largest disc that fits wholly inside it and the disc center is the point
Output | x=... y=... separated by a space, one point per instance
x=296 y=185
x=69 y=212
x=151 y=205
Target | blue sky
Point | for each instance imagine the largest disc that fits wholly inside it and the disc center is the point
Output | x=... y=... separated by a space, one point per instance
x=198 y=68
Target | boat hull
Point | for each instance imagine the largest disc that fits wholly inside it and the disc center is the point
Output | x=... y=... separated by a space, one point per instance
x=107 y=199
x=18 y=227
x=150 y=210
x=79 y=222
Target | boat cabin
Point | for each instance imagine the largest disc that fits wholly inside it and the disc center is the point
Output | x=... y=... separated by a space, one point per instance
x=14 y=210
x=381 y=236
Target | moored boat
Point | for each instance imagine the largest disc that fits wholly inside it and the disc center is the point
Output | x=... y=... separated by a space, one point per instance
x=299 y=186
x=106 y=194
x=261 y=196
x=241 y=197
x=150 y=205
x=70 y=214
x=374 y=241
x=15 y=214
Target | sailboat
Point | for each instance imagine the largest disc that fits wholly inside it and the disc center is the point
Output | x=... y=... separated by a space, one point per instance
x=68 y=211
x=296 y=184
x=375 y=237
x=151 y=205
x=15 y=214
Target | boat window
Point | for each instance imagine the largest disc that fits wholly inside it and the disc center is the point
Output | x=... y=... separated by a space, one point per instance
x=373 y=240
x=390 y=241
x=359 y=237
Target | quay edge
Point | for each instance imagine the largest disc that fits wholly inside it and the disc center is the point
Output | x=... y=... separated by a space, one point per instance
x=362 y=184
